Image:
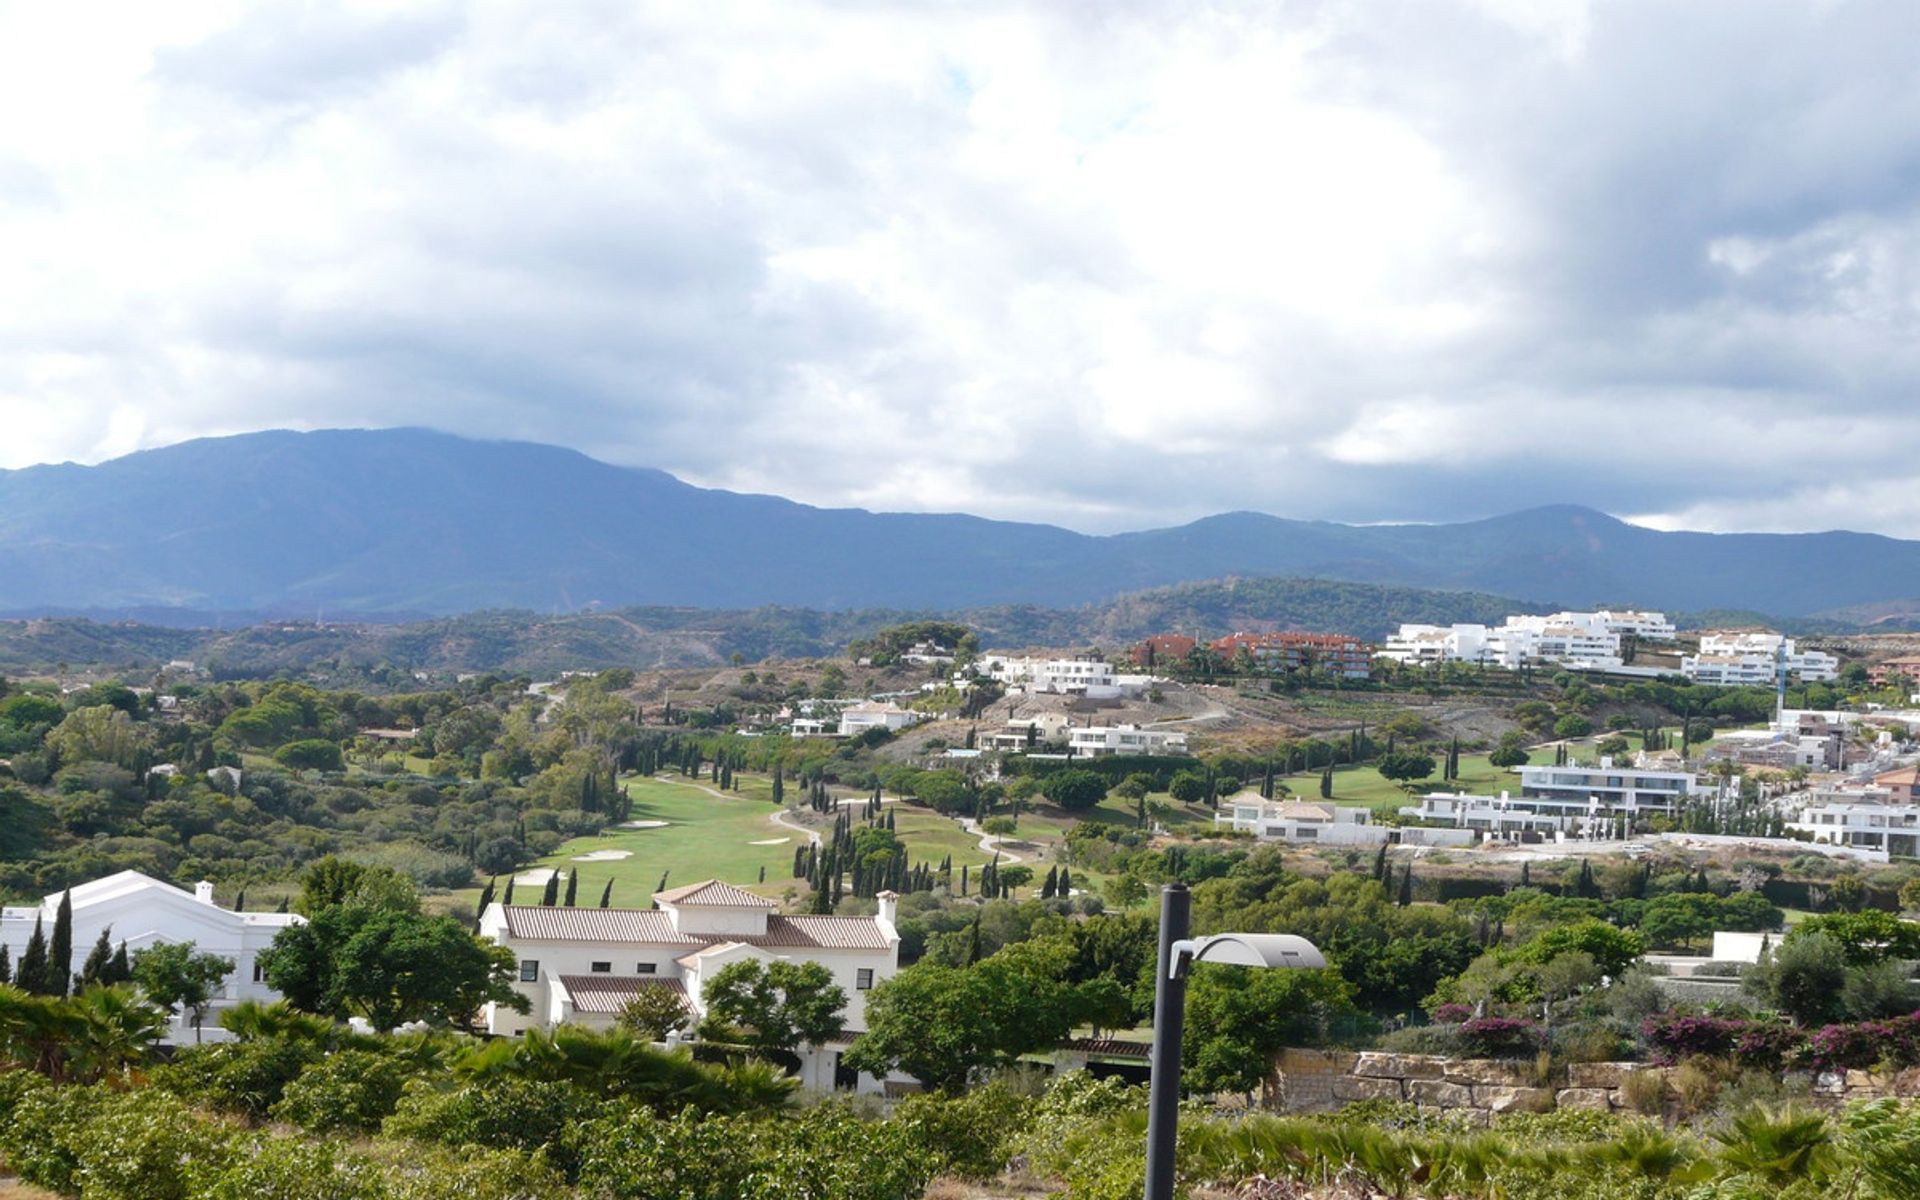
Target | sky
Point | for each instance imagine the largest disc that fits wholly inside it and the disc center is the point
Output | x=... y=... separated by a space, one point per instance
x=1111 y=265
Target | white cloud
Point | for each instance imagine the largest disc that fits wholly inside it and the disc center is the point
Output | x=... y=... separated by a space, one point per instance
x=1113 y=266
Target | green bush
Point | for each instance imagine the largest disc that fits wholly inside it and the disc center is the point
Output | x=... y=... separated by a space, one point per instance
x=349 y=1091
x=41 y=1140
x=970 y=1135
x=274 y=1168
x=147 y=1145
x=502 y=1114
x=243 y=1078
x=469 y=1173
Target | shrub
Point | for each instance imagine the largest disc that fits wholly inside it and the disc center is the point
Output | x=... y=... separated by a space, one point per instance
x=1452 y=1014
x=970 y=1135
x=271 y=1168
x=146 y=1145
x=469 y=1173
x=1499 y=1037
x=243 y=1078
x=42 y=1140
x=1676 y=1036
x=347 y=1091
x=1645 y=1092
x=503 y=1113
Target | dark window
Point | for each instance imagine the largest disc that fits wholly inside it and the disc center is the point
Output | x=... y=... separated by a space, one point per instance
x=259 y=972
x=602 y=968
x=863 y=979
x=645 y=968
x=529 y=970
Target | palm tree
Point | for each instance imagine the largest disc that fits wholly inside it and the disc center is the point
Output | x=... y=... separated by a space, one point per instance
x=35 y=1031
x=1776 y=1146
x=114 y=1029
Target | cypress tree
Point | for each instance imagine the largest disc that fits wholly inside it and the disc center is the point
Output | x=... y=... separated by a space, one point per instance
x=550 y=895
x=799 y=861
x=963 y=879
x=99 y=960
x=32 y=975
x=1380 y=864
x=779 y=786
x=507 y=896
x=486 y=898
x=6 y=964
x=1526 y=874
x=663 y=881
x=1406 y=886
x=973 y=940
x=283 y=905
x=1066 y=882
x=763 y=878
x=240 y=900
x=573 y=887
x=1326 y=784
x=60 y=950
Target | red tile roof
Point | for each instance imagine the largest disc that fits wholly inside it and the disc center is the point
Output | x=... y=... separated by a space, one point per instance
x=713 y=892
x=608 y=994
x=653 y=927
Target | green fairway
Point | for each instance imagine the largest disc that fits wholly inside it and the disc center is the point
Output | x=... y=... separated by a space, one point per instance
x=706 y=837
x=1364 y=785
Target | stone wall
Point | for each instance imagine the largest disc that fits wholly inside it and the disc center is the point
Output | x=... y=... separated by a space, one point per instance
x=1476 y=1088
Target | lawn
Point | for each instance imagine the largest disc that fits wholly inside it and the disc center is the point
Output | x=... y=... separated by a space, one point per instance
x=705 y=837
x=1364 y=785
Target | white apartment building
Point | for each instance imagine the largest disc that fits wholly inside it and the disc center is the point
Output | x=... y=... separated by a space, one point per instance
x=856 y=719
x=1102 y=740
x=1754 y=660
x=142 y=912
x=1299 y=821
x=1562 y=799
x=582 y=965
x=1891 y=828
x=1577 y=640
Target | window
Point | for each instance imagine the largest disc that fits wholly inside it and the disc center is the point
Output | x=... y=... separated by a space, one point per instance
x=645 y=968
x=259 y=972
x=529 y=970
x=601 y=968
x=863 y=979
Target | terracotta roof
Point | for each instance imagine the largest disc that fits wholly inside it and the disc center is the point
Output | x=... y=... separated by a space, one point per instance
x=593 y=925
x=713 y=892
x=654 y=927
x=608 y=994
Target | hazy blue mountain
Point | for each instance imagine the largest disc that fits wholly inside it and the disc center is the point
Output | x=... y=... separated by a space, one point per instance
x=408 y=521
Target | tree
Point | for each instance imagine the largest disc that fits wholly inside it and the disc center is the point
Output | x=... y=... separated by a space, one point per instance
x=1074 y=790
x=1511 y=752
x=98 y=734
x=775 y=1006
x=1237 y=1020
x=332 y=881
x=391 y=967
x=59 y=971
x=1405 y=766
x=550 y=895
x=99 y=964
x=1804 y=977
x=573 y=887
x=31 y=974
x=1188 y=787
x=180 y=980
x=1869 y=936
x=310 y=754
x=653 y=1013
x=1573 y=725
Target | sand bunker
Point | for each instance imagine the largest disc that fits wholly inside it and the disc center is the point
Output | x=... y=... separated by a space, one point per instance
x=771 y=842
x=603 y=855
x=537 y=877
x=641 y=824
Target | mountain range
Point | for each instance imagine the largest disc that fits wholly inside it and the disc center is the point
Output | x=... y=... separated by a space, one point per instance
x=407 y=521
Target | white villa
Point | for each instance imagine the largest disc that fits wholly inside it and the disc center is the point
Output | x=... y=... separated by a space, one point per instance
x=582 y=965
x=142 y=912
x=858 y=718
x=1300 y=821
x=1755 y=660
x=1891 y=828
x=1098 y=741
x=1562 y=800
x=1093 y=678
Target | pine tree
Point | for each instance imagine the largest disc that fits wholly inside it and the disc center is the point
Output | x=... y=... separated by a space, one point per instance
x=550 y=895
x=573 y=887
x=59 y=977
x=99 y=960
x=32 y=975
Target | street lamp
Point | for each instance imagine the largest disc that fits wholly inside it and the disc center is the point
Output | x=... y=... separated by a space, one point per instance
x=1178 y=953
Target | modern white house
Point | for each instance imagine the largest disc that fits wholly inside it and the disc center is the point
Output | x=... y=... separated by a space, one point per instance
x=1300 y=821
x=142 y=912
x=1092 y=678
x=1562 y=800
x=1588 y=641
x=858 y=718
x=582 y=965
x=1098 y=741
x=1755 y=659
x=1893 y=828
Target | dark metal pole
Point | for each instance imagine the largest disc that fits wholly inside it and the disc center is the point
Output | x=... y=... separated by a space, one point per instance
x=1169 y=1023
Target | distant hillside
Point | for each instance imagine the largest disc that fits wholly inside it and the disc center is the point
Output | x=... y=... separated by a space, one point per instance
x=683 y=637
x=347 y=522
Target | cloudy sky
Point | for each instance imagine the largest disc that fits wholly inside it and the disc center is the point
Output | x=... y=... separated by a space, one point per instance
x=1106 y=264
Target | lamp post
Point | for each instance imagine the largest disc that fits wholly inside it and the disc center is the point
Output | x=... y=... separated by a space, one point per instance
x=1177 y=955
